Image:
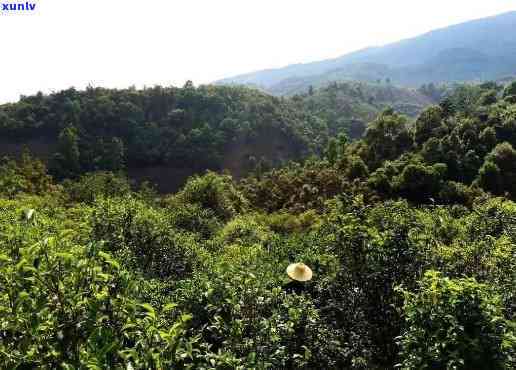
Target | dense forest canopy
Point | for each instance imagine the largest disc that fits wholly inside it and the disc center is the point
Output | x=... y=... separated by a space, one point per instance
x=410 y=232
x=107 y=129
x=183 y=131
x=347 y=107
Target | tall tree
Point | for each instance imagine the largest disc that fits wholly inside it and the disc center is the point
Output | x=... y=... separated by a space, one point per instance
x=66 y=160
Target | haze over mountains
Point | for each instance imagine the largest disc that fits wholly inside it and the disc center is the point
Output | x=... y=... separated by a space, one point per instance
x=478 y=50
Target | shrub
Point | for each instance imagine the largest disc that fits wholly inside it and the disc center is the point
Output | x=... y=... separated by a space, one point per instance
x=239 y=308
x=457 y=193
x=357 y=169
x=194 y=219
x=213 y=192
x=143 y=237
x=28 y=176
x=287 y=223
x=97 y=184
x=66 y=306
x=419 y=182
x=454 y=324
x=244 y=230
x=376 y=251
x=428 y=121
x=510 y=89
x=498 y=174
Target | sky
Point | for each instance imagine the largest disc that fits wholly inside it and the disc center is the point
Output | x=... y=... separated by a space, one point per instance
x=119 y=43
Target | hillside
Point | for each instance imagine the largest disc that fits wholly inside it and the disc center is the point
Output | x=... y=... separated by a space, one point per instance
x=403 y=244
x=160 y=134
x=164 y=135
x=349 y=106
x=478 y=50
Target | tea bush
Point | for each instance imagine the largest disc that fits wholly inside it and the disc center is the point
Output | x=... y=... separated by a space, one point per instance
x=69 y=306
x=143 y=238
x=455 y=324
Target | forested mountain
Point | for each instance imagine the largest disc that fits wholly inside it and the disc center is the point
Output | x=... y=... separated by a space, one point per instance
x=409 y=232
x=164 y=135
x=478 y=50
x=159 y=134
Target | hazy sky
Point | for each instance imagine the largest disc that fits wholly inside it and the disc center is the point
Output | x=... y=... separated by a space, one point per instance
x=118 y=43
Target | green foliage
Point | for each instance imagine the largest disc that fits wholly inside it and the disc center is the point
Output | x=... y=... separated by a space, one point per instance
x=29 y=176
x=498 y=174
x=110 y=130
x=510 y=90
x=96 y=275
x=193 y=218
x=347 y=107
x=212 y=192
x=238 y=310
x=67 y=159
x=454 y=324
x=69 y=306
x=356 y=168
x=489 y=97
x=419 y=182
x=387 y=137
x=332 y=151
x=296 y=187
x=143 y=238
x=244 y=230
x=427 y=122
x=98 y=184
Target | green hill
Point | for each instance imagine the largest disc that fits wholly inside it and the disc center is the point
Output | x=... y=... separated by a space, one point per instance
x=349 y=106
x=160 y=134
x=406 y=237
x=164 y=135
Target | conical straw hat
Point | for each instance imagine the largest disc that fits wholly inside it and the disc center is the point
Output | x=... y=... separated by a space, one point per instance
x=299 y=272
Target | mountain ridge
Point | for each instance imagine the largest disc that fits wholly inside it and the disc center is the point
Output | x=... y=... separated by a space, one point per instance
x=411 y=61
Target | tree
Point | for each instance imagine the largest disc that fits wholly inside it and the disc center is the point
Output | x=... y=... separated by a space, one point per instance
x=510 y=90
x=356 y=169
x=487 y=139
x=114 y=155
x=448 y=107
x=418 y=182
x=29 y=176
x=343 y=142
x=498 y=173
x=66 y=160
x=428 y=121
x=388 y=137
x=332 y=151
x=188 y=85
x=488 y=98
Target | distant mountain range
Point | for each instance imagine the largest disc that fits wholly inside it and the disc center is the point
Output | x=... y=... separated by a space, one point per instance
x=478 y=50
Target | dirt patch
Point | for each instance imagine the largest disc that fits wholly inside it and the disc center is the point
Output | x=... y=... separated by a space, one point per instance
x=166 y=179
x=42 y=148
x=271 y=144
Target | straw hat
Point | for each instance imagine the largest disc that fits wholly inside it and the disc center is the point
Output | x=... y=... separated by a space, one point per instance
x=299 y=272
